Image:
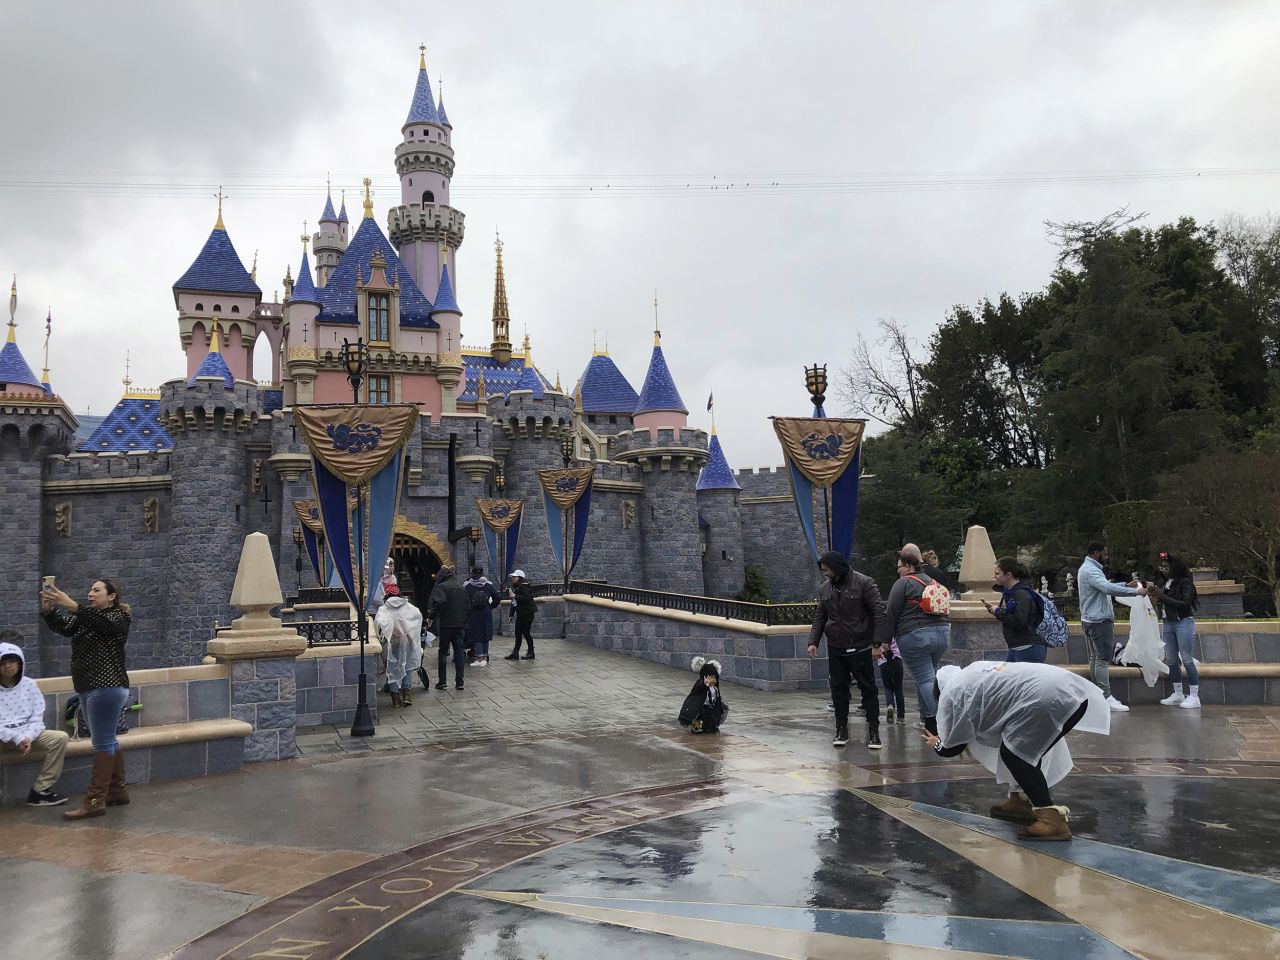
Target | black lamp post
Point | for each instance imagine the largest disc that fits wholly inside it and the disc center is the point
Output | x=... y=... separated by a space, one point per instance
x=355 y=358
x=297 y=560
x=499 y=481
x=474 y=536
x=566 y=454
x=815 y=381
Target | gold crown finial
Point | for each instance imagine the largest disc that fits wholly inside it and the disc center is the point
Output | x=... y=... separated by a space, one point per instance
x=422 y=56
x=219 y=224
x=213 y=340
x=559 y=389
x=368 y=199
x=13 y=310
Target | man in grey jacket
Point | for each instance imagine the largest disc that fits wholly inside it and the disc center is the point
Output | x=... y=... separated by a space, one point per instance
x=1098 y=616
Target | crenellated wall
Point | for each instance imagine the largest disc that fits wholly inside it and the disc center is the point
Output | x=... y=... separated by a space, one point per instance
x=771 y=535
x=723 y=566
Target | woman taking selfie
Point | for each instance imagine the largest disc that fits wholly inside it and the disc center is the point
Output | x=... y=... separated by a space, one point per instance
x=98 y=630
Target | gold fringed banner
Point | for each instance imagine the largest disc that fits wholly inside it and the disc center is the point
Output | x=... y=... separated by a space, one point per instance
x=499 y=514
x=355 y=442
x=565 y=487
x=309 y=514
x=821 y=449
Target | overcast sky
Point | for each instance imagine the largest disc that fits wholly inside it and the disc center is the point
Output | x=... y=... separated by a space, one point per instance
x=897 y=134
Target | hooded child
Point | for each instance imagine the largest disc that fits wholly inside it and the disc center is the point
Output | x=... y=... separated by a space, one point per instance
x=22 y=726
x=704 y=708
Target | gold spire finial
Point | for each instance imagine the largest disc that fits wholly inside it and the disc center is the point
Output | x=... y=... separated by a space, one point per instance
x=213 y=340
x=128 y=380
x=657 y=331
x=481 y=395
x=559 y=389
x=219 y=224
x=422 y=56
x=306 y=238
x=577 y=398
x=528 y=350
x=13 y=310
x=368 y=199
x=253 y=273
x=48 y=329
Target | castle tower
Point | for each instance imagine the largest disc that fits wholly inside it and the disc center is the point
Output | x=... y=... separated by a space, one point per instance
x=449 y=367
x=500 y=348
x=330 y=240
x=659 y=404
x=34 y=424
x=424 y=228
x=217 y=284
x=608 y=400
x=720 y=517
x=209 y=417
x=301 y=311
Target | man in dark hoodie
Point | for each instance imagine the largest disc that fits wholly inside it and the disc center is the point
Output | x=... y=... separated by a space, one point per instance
x=852 y=617
x=447 y=611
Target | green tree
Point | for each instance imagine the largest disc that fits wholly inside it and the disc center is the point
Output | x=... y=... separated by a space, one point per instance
x=755 y=588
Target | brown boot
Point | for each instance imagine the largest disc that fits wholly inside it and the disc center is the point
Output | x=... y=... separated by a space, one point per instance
x=117 y=795
x=395 y=699
x=1051 y=824
x=405 y=698
x=94 y=802
x=1016 y=809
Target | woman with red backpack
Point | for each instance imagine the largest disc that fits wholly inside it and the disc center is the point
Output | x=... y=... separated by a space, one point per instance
x=1019 y=612
x=918 y=609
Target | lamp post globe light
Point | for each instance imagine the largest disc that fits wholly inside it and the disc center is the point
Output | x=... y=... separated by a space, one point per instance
x=474 y=536
x=355 y=358
x=815 y=381
x=297 y=560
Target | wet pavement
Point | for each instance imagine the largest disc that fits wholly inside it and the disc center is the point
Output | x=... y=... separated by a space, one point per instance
x=579 y=821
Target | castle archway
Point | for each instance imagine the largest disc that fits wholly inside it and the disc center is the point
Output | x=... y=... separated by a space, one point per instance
x=418 y=554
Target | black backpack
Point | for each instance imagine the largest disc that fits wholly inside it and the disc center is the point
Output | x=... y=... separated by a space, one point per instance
x=73 y=718
x=479 y=597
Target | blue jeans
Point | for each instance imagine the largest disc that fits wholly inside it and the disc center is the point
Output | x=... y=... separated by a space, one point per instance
x=1100 y=637
x=1179 y=650
x=405 y=684
x=1033 y=654
x=102 y=712
x=922 y=652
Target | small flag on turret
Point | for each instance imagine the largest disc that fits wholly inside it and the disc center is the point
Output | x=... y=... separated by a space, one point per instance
x=711 y=400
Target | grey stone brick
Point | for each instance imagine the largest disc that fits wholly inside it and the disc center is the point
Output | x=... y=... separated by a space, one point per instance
x=262 y=745
x=273 y=669
x=179 y=761
x=276 y=716
x=164 y=703
x=255 y=691
x=208 y=699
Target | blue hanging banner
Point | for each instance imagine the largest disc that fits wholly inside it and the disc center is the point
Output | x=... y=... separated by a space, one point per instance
x=308 y=514
x=823 y=459
x=564 y=490
x=357 y=453
x=501 y=516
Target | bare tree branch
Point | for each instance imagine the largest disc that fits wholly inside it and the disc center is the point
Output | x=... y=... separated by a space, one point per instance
x=882 y=383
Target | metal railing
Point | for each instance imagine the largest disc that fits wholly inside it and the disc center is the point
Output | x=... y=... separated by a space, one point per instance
x=319 y=595
x=321 y=633
x=770 y=614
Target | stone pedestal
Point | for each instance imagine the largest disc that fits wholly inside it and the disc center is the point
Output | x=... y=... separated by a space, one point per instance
x=261 y=651
x=976 y=572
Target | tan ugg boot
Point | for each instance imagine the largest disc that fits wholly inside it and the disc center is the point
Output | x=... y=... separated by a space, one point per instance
x=94 y=803
x=1016 y=809
x=1051 y=824
x=395 y=698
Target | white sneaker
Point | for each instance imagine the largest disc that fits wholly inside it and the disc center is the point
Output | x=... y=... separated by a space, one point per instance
x=1173 y=699
x=1116 y=706
x=1190 y=703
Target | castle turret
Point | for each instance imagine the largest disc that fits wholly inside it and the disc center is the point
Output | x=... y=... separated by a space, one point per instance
x=217 y=284
x=34 y=425
x=330 y=240
x=720 y=520
x=209 y=417
x=425 y=229
x=500 y=348
x=607 y=397
x=659 y=404
x=449 y=368
x=302 y=310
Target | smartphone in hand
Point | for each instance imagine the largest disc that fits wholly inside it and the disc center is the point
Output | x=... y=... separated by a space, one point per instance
x=48 y=583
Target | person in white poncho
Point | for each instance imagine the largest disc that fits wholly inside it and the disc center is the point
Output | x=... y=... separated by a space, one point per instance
x=399 y=625
x=1013 y=717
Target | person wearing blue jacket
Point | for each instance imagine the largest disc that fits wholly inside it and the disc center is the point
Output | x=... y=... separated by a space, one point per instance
x=1098 y=616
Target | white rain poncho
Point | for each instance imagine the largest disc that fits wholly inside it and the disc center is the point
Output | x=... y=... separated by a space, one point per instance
x=399 y=625
x=1024 y=706
x=1145 y=649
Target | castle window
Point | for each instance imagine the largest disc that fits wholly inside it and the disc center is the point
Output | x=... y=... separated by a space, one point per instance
x=379 y=389
x=613 y=419
x=235 y=308
x=428 y=196
x=379 y=318
x=591 y=418
x=199 y=306
x=217 y=307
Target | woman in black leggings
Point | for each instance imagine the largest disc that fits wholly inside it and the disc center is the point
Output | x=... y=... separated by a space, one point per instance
x=1013 y=717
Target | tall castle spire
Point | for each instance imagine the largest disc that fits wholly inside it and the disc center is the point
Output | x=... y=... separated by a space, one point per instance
x=500 y=349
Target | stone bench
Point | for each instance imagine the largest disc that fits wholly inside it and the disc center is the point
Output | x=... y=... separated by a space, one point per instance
x=1236 y=684
x=169 y=751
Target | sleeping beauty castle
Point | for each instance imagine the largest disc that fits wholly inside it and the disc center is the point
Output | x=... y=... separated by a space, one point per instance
x=161 y=493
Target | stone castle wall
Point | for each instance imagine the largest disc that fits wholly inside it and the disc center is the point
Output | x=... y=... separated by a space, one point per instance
x=771 y=534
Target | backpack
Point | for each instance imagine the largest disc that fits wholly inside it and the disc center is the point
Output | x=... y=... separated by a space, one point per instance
x=1051 y=628
x=74 y=719
x=479 y=599
x=935 y=600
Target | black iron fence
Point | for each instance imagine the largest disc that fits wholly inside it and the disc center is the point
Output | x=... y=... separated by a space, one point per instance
x=320 y=633
x=319 y=595
x=770 y=614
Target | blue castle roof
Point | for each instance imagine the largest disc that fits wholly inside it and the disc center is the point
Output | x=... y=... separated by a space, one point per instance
x=218 y=269
x=443 y=117
x=342 y=214
x=214 y=365
x=134 y=424
x=659 y=391
x=498 y=379
x=327 y=214
x=716 y=475
x=304 y=289
x=445 y=300
x=338 y=297
x=605 y=389
x=423 y=108
x=14 y=370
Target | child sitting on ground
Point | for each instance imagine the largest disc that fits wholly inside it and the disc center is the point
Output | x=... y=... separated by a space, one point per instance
x=891 y=676
x=704 y=708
